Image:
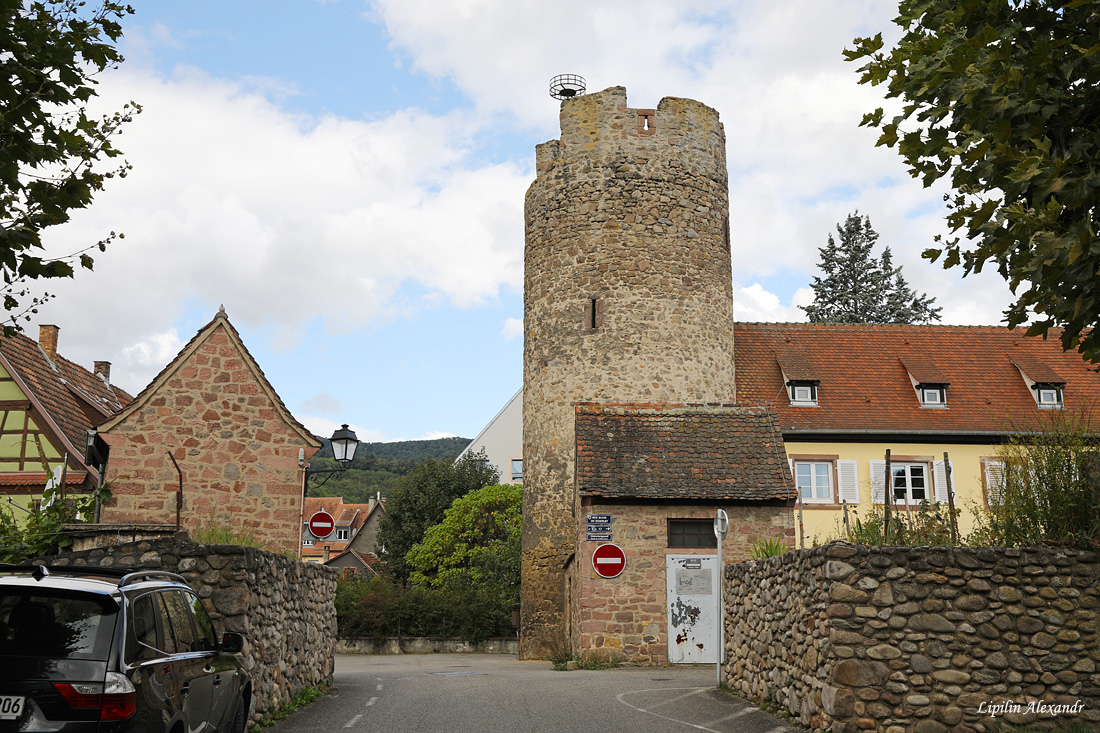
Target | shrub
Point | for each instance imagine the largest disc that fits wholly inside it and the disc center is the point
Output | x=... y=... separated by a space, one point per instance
x=1050 y=492
x=929 y=525
x=767 y=548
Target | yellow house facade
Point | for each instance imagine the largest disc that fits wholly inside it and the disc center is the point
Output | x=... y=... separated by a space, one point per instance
x=48 y=405
x=846 y=394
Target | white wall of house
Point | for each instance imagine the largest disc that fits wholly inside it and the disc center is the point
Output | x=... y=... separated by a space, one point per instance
x=502 y=441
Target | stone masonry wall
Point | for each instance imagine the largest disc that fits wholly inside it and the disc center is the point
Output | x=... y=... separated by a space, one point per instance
x=896 y=639
x=626 y=618
x=285 y=608
x=239 y=458
x=627 y=297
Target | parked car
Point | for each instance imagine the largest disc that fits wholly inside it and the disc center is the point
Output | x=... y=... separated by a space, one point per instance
x=111 y=651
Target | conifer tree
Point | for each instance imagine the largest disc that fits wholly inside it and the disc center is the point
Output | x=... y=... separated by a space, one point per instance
x=857 y=288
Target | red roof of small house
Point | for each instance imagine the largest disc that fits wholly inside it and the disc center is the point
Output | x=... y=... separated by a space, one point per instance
x=676 y=451
x=864 y=384
x=72 y=399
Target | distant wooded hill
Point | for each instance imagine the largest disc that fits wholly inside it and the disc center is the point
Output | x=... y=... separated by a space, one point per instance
x=377 y=466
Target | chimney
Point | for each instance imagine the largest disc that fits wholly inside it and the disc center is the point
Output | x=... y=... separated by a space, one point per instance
x=47 y=339
x=102 y=369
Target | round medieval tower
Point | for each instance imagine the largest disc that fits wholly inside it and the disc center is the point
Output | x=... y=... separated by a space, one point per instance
x=627 y=298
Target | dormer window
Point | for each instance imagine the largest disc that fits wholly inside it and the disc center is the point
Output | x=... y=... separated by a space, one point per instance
x=1049 y=396
x=932 y=395
x=1045 y=385
x=803 y=393
x=799 y=376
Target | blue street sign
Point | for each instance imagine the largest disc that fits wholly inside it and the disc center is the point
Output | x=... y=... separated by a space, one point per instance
x=602 y=537
x=599 y=519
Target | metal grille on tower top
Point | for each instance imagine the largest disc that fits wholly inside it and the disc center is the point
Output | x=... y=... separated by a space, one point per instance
x=566 y=86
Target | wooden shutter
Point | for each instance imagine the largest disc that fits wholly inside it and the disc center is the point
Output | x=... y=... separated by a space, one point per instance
x=878 y=481
x=939 y=475
x=847 y=473
x=994 y=482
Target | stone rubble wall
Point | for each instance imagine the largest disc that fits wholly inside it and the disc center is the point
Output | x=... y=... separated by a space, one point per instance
x=924 y=639
x=284 y=608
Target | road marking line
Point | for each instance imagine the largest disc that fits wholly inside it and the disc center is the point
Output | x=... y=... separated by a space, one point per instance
x=694 y=690
x=379 y=688
x=371 y=701
x=353 y=721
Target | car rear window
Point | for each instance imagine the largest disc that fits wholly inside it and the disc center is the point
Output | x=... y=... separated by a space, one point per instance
x=55 y=623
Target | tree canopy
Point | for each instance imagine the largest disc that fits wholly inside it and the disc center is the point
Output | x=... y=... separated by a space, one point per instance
x=478 y=541
x=856 y=288
x=49 y=146
x=1001 y=99
x=421 y=499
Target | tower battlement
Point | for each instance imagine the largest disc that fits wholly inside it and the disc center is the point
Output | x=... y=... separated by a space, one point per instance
x=602 y=127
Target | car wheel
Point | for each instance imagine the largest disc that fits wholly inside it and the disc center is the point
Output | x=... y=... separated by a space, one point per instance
x=238 y=717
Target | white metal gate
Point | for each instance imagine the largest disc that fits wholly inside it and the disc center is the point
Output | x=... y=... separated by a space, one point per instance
x=692 y=608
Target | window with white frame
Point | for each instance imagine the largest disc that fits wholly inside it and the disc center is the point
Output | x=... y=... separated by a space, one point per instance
x=802 y=393
x=1049 y=396
x=910 y=482
x=517 y=469
x=815 y=481
x=343 y=534
x=932 y=395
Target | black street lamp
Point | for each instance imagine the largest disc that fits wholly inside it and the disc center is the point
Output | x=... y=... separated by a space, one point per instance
x=343 y=443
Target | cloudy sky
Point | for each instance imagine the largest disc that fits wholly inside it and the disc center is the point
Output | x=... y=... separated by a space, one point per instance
x=347 y=178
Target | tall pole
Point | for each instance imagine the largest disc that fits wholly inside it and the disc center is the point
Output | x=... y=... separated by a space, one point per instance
x=721 y=526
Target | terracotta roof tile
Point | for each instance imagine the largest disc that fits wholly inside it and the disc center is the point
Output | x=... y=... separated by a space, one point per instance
x=75 y=399
x=865 y=388
x=675 y=451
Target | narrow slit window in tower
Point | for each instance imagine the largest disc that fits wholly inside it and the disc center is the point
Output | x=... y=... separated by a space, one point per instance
x=593 y=315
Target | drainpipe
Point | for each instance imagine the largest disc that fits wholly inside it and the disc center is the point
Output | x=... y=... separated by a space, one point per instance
x=179 y=494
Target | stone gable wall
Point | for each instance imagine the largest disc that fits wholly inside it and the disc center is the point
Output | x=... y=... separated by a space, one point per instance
x=239 y=458
x=626 y=618
x=629 y=210
x=284 y=608
x=896 y=639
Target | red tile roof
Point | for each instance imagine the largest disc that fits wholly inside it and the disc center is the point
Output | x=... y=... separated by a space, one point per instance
x=865 y=387
x=74 y=399
x=676 y=451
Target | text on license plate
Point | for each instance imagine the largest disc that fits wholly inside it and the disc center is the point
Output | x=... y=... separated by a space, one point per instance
x=11 y=706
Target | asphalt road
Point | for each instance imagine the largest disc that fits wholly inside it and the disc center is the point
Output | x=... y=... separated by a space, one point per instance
x=422 y=693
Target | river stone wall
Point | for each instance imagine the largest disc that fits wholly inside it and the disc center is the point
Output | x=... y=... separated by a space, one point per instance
x=285 y=608
x=898 y=639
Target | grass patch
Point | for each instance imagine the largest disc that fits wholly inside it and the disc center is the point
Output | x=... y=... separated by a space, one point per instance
x=220 y=534
x=303 y=698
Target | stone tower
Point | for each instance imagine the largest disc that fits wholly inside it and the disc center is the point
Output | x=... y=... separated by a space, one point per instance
x=627 y=298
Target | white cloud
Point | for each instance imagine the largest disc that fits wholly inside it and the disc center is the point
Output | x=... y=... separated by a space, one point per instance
x=280 y=217
x=755 y=304
x=513 y=328
x=322 y=402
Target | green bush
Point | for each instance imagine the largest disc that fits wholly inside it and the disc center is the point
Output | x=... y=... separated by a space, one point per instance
x=381 y=607
x=768 y=548
x=928 y=526
x=1051 y=489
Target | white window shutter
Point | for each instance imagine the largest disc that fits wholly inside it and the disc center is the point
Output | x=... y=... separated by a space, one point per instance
x=848 y=481
x=878 y=481
x=994 y=482
x=940 y=477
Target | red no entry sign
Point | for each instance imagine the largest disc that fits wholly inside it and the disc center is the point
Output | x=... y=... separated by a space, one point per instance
x=608 y=560
x=321 y=524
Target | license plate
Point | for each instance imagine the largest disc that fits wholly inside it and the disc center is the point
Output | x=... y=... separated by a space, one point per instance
x=11 y=707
